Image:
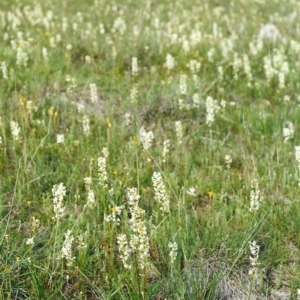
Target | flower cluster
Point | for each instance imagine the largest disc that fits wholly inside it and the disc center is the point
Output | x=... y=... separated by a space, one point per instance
x=91 y=199
x=134 y=66
x=191 y=192
x=93 y=93
x=210 y=110
x=139 y=241
x=173 y=251
x=86 y=125
x=228 y=160
x=170 y=62
x=254 y=251
x=146 y=138
x=60 y=138
x=22 y=57
x=66 y=250
x=288 y=131
x=160 y=194
x=103 y=177
x=124 y=250
x=3 y=68
x=255 y=196
x=15 y=130
x=179 y=132
x=59 y=192
x=115 y=215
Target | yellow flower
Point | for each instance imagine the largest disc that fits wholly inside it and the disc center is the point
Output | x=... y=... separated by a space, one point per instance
x=113 y=209
x=210 y=193
x=135 y=142
x=108 y=122
x=22 y=101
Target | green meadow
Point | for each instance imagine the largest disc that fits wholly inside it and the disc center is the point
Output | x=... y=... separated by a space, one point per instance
x=149 y=149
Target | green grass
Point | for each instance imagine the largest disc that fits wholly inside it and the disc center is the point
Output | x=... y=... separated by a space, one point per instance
x=211 y=228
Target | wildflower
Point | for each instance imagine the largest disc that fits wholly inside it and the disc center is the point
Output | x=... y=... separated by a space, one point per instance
x=59 y=192
x=119 y=26
x=183 y=86
x=60 y=138
x=254 y=251
x=69 y=47
x=269 y=32
x=236 y=65
x=105 y=152
x=210 y=193
x=286 y=98
x=210 y=110
x=115 y=215
x=196 y=100
x=134 y=66
x=170 y=62
x=288 y=131
x=35 y=224
x=87 y=182
x=179 y=132
x=101 y=28
x=134 y=93
x=66 y=251
x=228 y=160
x=30 y=106
x=30 y=241
x=22 y=58
x=180 y=104
x=93 y=93
x=146 y=138
x=210 y=54
x=15 y=130
x=186 y=46
x=173 y=251
x=160 y=194
x=194 y=66
x=133 y=196
x=139 y=242
x=281 y=80
x=87 y=59
x=86 y=125
x=255 y=196
x=3 y=68
x=223 y=103
x=45 y=54
x=196 y=81
x=191 y=192
x=91 y=199
x=124 y=250
x=103 y=177
x=128 y=118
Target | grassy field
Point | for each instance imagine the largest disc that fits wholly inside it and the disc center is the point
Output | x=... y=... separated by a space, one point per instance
x=149 y=149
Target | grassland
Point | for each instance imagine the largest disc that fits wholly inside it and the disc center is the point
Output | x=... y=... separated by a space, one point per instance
x=149 y=149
